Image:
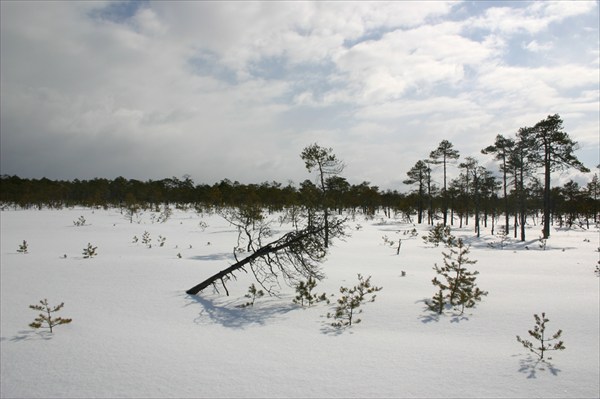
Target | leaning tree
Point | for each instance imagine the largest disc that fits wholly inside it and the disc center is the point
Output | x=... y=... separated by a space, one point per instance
x=294 y=256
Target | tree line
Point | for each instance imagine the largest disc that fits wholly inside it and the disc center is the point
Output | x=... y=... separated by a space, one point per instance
x=517 y=196
x=544 y=147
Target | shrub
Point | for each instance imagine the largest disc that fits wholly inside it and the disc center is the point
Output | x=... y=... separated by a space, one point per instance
x=45 y=320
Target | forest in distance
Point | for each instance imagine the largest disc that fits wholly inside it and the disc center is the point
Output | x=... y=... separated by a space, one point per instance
x=518 y=193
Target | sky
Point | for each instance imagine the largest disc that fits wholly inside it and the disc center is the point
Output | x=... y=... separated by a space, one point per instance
x=236 y=90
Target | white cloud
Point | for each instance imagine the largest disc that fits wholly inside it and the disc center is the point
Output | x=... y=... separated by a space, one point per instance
x=237 y=89
x=536 y=47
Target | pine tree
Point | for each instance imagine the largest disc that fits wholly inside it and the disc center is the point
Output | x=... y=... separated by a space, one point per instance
x=556 y=152
x=351 y=300
x=89 y=252
x=418 y=175
x=23 y=248
x=502 y=149
x=538 y=333
x=439 y=234
x=305 y=295
x=45 y=320
x=252 y=294
x=442 y=155
x=458 y=287
x=326 y=164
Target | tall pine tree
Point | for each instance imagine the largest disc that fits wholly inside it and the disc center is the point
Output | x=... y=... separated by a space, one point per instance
x=443 y=155
x=556 y=151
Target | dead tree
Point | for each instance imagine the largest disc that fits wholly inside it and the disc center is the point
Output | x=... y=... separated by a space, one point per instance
x=295 y=256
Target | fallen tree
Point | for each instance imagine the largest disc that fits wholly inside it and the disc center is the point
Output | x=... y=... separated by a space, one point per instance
x=294 y=256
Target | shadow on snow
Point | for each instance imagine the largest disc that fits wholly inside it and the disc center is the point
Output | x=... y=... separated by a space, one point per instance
x=230 y=316
x=431 y=316
x=218 y=256
x=530 y=366
x=30 y=335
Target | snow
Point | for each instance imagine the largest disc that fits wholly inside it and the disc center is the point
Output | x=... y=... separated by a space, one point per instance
x=135 y=333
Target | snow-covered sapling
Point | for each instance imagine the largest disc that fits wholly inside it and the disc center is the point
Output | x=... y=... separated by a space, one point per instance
x=23 y=248
x=458 y=287
x=45 y=320
x=351 y=300
x=542 y=243
x=538 y=333
x=161 y=240
x=90 y=251
x=135 y=239
x=305 y=294
x=252 y=294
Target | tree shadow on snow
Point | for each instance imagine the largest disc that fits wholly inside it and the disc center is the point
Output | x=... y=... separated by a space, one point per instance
x=431 y=316
x=530 y=366
x=328 y=329
x=232 y=316
x=30 y=335
x=219 y=256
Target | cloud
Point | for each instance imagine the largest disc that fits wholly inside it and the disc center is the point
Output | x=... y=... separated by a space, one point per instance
x=237 y=89
x=536 y=47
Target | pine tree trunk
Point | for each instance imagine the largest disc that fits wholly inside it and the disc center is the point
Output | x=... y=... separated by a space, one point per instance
x=546 y=229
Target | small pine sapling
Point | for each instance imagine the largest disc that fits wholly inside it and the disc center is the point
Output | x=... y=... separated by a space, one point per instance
x=502 y=237
x=179 y=255
x=146 y=240
x=439 y=234
x=458 y=285
x=45 y=320
x=544 y=343
x=305 y=295
x=351 y=300
x=79 y=222
x=135 y=239
x=161 y=241
x=90 y=251
x=23 y=248
x=252 y=294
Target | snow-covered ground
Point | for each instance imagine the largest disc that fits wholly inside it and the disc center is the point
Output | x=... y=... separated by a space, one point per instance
x=135 y=333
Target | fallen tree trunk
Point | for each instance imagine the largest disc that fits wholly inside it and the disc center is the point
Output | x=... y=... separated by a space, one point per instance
x=219 y=276
x=294 y=255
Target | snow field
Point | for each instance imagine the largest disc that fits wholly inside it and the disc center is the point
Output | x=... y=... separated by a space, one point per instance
x=135 y=333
